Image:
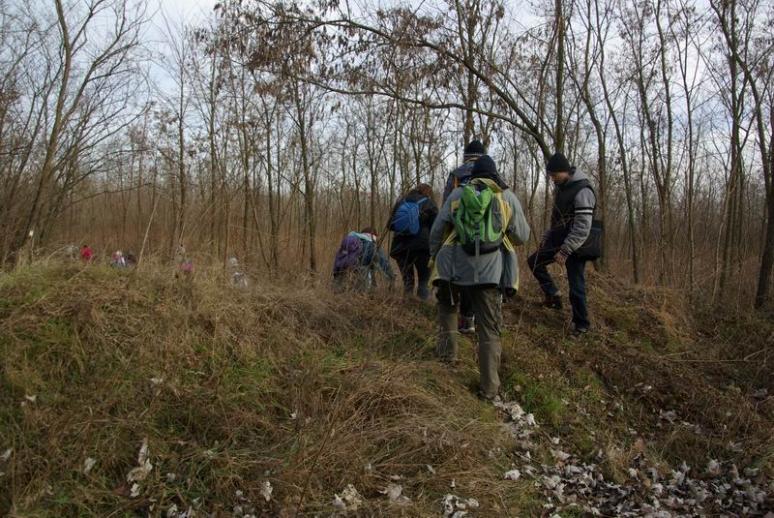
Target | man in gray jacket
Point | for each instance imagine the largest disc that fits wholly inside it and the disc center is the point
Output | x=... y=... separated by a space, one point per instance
x=571 y=219
x=483 y=276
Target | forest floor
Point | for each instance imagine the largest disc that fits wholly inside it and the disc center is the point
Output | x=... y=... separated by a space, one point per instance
x=130 y=392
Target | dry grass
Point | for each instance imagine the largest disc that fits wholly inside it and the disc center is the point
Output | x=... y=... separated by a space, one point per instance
x=288 y=383
x=282 y=383
x=652 y=353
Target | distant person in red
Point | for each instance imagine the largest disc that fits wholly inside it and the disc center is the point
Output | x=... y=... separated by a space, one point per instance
x=87 y=254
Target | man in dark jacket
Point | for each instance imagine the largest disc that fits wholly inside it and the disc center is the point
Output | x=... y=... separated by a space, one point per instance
x=571 y=219
x=460 y=176
x=412 y=250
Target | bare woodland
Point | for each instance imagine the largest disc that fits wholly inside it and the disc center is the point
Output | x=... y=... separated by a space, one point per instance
x=277 y=126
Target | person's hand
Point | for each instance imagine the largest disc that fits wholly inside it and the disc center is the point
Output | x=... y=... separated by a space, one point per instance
x=560 y=258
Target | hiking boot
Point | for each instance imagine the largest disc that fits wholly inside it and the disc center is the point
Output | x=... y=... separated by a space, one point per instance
x=579 y=331
x=553 y=301
x=486 y=397
x=467 y=325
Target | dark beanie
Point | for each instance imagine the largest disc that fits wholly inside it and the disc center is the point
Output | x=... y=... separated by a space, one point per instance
x=474 y=148
x=484 y=166
x=558 y=163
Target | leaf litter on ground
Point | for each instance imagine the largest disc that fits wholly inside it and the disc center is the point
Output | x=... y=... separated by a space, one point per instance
x=570 y=484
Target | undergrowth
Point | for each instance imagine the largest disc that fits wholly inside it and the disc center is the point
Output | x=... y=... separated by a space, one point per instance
x=309 y=391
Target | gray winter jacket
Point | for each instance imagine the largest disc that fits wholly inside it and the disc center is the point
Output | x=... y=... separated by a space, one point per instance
x=452 y=264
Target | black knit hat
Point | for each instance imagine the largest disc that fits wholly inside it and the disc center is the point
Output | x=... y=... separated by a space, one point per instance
x=558 y=163
x=473 y=149
x=484 y=166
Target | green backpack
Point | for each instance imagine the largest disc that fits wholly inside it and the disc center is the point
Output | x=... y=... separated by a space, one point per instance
x=478 y=220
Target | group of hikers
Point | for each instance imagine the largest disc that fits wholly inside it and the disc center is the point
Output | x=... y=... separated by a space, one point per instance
x=467 y=252
x=184 y=266
x=86 y=254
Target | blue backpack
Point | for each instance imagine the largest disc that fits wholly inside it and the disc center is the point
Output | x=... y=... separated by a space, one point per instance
x=406 y=218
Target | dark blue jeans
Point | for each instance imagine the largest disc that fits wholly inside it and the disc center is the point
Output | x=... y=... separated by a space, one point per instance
x=408 y=262
x=575 y=275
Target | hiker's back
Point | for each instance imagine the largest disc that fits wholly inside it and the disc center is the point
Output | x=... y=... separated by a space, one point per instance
x=357 y=261
x=348 y=254
x=412 y=218
x=473 y=241
x=480 y=218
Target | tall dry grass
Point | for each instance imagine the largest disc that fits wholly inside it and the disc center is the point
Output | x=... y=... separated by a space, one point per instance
x=232 y=388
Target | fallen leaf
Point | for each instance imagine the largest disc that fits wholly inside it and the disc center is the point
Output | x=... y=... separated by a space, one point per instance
x=144 y=466
x=6 y=455
x=351 y=498
x=395 y=493
x=338 y=503
x=266 y=490
x=713 y=467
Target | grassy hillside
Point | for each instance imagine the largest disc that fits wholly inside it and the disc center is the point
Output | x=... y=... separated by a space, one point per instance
x=132 y=392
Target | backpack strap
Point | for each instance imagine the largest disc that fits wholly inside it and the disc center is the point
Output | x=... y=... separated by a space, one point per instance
x=505 y=207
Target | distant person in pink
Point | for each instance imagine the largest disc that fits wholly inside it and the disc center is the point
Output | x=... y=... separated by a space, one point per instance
x=87 y=254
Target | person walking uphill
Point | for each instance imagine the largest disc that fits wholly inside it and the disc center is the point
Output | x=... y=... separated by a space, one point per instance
x=460 y=176
x=568 y=241
x=411 y=219
x=472 y=242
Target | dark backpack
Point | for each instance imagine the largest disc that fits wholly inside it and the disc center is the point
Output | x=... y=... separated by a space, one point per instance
x=405 y=221
x=591 y=249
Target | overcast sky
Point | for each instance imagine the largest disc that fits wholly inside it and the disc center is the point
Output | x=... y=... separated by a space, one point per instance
x=179 y=13
x=190 y=10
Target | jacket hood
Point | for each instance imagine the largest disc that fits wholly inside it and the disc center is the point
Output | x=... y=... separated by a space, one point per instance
x=577 y=177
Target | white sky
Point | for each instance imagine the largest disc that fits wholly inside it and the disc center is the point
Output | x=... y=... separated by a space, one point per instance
x=188 y=10
x=179 y=13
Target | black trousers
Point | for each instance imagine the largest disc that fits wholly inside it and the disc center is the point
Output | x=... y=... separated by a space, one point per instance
x=575 y=275
x=414 y=266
